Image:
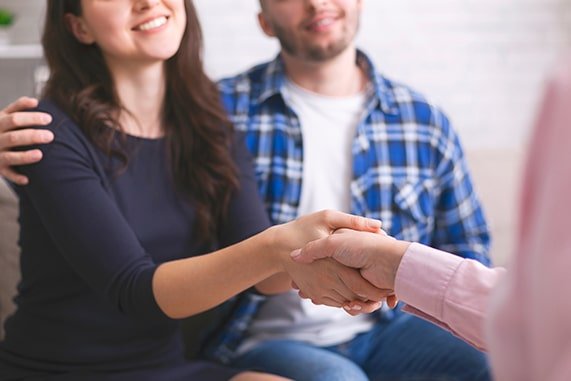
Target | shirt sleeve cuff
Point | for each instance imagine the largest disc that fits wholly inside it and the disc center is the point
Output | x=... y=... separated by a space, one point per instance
x=423 y=276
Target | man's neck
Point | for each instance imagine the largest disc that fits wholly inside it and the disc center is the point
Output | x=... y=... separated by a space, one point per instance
x=337 y=77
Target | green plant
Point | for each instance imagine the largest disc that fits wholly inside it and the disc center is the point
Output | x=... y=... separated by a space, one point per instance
x=6 y=18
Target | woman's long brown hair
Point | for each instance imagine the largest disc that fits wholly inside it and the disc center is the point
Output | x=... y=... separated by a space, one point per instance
x=196 y=127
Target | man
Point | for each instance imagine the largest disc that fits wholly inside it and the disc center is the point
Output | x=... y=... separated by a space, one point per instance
x=327 y=131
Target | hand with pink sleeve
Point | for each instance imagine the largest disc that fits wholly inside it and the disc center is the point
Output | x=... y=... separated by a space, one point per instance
x=377 y=256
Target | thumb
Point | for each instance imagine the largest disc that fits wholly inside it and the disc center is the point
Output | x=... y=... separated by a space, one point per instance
x=312 y=251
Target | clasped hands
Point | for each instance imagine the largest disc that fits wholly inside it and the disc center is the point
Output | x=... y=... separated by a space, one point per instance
x=351 y=268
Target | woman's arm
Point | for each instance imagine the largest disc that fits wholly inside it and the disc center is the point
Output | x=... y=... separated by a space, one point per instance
x=69 y=195
x=213 y=278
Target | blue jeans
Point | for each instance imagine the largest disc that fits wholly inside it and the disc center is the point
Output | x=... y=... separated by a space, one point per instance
x=405 y=348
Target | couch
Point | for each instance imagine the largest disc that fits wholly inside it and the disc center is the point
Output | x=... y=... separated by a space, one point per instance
x=9 y=259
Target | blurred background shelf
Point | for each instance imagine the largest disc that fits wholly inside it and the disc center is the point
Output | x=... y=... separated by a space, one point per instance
x=21 y=51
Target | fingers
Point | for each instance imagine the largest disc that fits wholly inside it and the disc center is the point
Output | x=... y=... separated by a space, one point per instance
x=353 y=308
x=325 y=301
x=23 y=119
x=337 y=220
x=312 y=251
x=342 y=295
x=392 y=301
x=12 y=117
x=19 y=138
x=9 y=159
x=333 y=296
x=358 y=307
x=329 y=302
x=23 y=103
x=13 y=176
x=360 y=286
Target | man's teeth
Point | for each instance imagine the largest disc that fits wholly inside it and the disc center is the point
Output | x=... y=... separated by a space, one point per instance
x=160 y=21
x=323 y=22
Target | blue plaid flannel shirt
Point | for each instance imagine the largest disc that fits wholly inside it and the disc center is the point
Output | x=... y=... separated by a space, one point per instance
x=409 y=171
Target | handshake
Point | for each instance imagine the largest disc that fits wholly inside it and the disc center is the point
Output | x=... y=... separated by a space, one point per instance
x=375 y=256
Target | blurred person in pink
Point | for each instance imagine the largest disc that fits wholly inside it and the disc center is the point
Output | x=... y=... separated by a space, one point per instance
x=521 y=316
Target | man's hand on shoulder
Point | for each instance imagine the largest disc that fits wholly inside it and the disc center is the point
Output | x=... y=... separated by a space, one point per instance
x=13 y=133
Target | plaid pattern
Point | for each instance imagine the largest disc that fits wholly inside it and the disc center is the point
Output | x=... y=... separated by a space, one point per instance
x=409 y=170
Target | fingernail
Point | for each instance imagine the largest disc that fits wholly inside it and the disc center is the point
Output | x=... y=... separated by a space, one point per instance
x=347 y=308
x=372 y=223
x=296 y=253
x=356 y=307
x=46 y=136
x=36 y=155
x=46 y=119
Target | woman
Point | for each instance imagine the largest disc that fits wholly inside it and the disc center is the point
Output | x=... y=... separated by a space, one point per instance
x=143 y=174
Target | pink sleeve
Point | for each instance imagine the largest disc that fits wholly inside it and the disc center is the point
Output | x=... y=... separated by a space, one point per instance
x=447 y=290
x=529 y=326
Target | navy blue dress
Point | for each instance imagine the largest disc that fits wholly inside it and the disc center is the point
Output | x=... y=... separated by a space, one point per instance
x=91 y=241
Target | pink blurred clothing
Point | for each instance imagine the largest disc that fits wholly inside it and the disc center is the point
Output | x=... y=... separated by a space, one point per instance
x=522 y=316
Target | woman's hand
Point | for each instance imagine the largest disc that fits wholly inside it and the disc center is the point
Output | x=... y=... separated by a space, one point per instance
x=299 y=232
x=330 y=283
x=376 y=256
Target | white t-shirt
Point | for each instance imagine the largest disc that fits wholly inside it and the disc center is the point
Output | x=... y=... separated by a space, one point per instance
x=328 y=127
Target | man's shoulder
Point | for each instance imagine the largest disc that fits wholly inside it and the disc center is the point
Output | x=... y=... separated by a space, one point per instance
x=405 y=98
x=403 y=92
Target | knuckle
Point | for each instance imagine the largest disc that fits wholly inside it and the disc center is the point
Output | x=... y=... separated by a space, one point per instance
x=327 y=214
x=13 y=120
x=11 y=139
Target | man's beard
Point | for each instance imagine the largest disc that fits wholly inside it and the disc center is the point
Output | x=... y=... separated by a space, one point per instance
x=316 y=53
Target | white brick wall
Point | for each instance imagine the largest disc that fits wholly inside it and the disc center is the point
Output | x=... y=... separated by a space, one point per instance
x=483 y=61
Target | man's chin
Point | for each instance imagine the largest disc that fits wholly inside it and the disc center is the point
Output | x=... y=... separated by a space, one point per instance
x=327 y=53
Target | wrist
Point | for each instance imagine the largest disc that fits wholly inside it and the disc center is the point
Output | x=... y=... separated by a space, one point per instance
x=397 y=253
x=276 y=250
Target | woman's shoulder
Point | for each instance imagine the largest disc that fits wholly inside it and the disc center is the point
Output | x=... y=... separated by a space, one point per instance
x=69 y=139
x=62 y=125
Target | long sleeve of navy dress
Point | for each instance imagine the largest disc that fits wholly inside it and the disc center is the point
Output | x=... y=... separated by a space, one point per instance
x=91 y=240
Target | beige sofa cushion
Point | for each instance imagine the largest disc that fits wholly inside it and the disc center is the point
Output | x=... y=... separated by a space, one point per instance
x=9 y=251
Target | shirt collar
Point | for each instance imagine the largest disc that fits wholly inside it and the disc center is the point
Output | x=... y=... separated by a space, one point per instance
x=274 y=79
